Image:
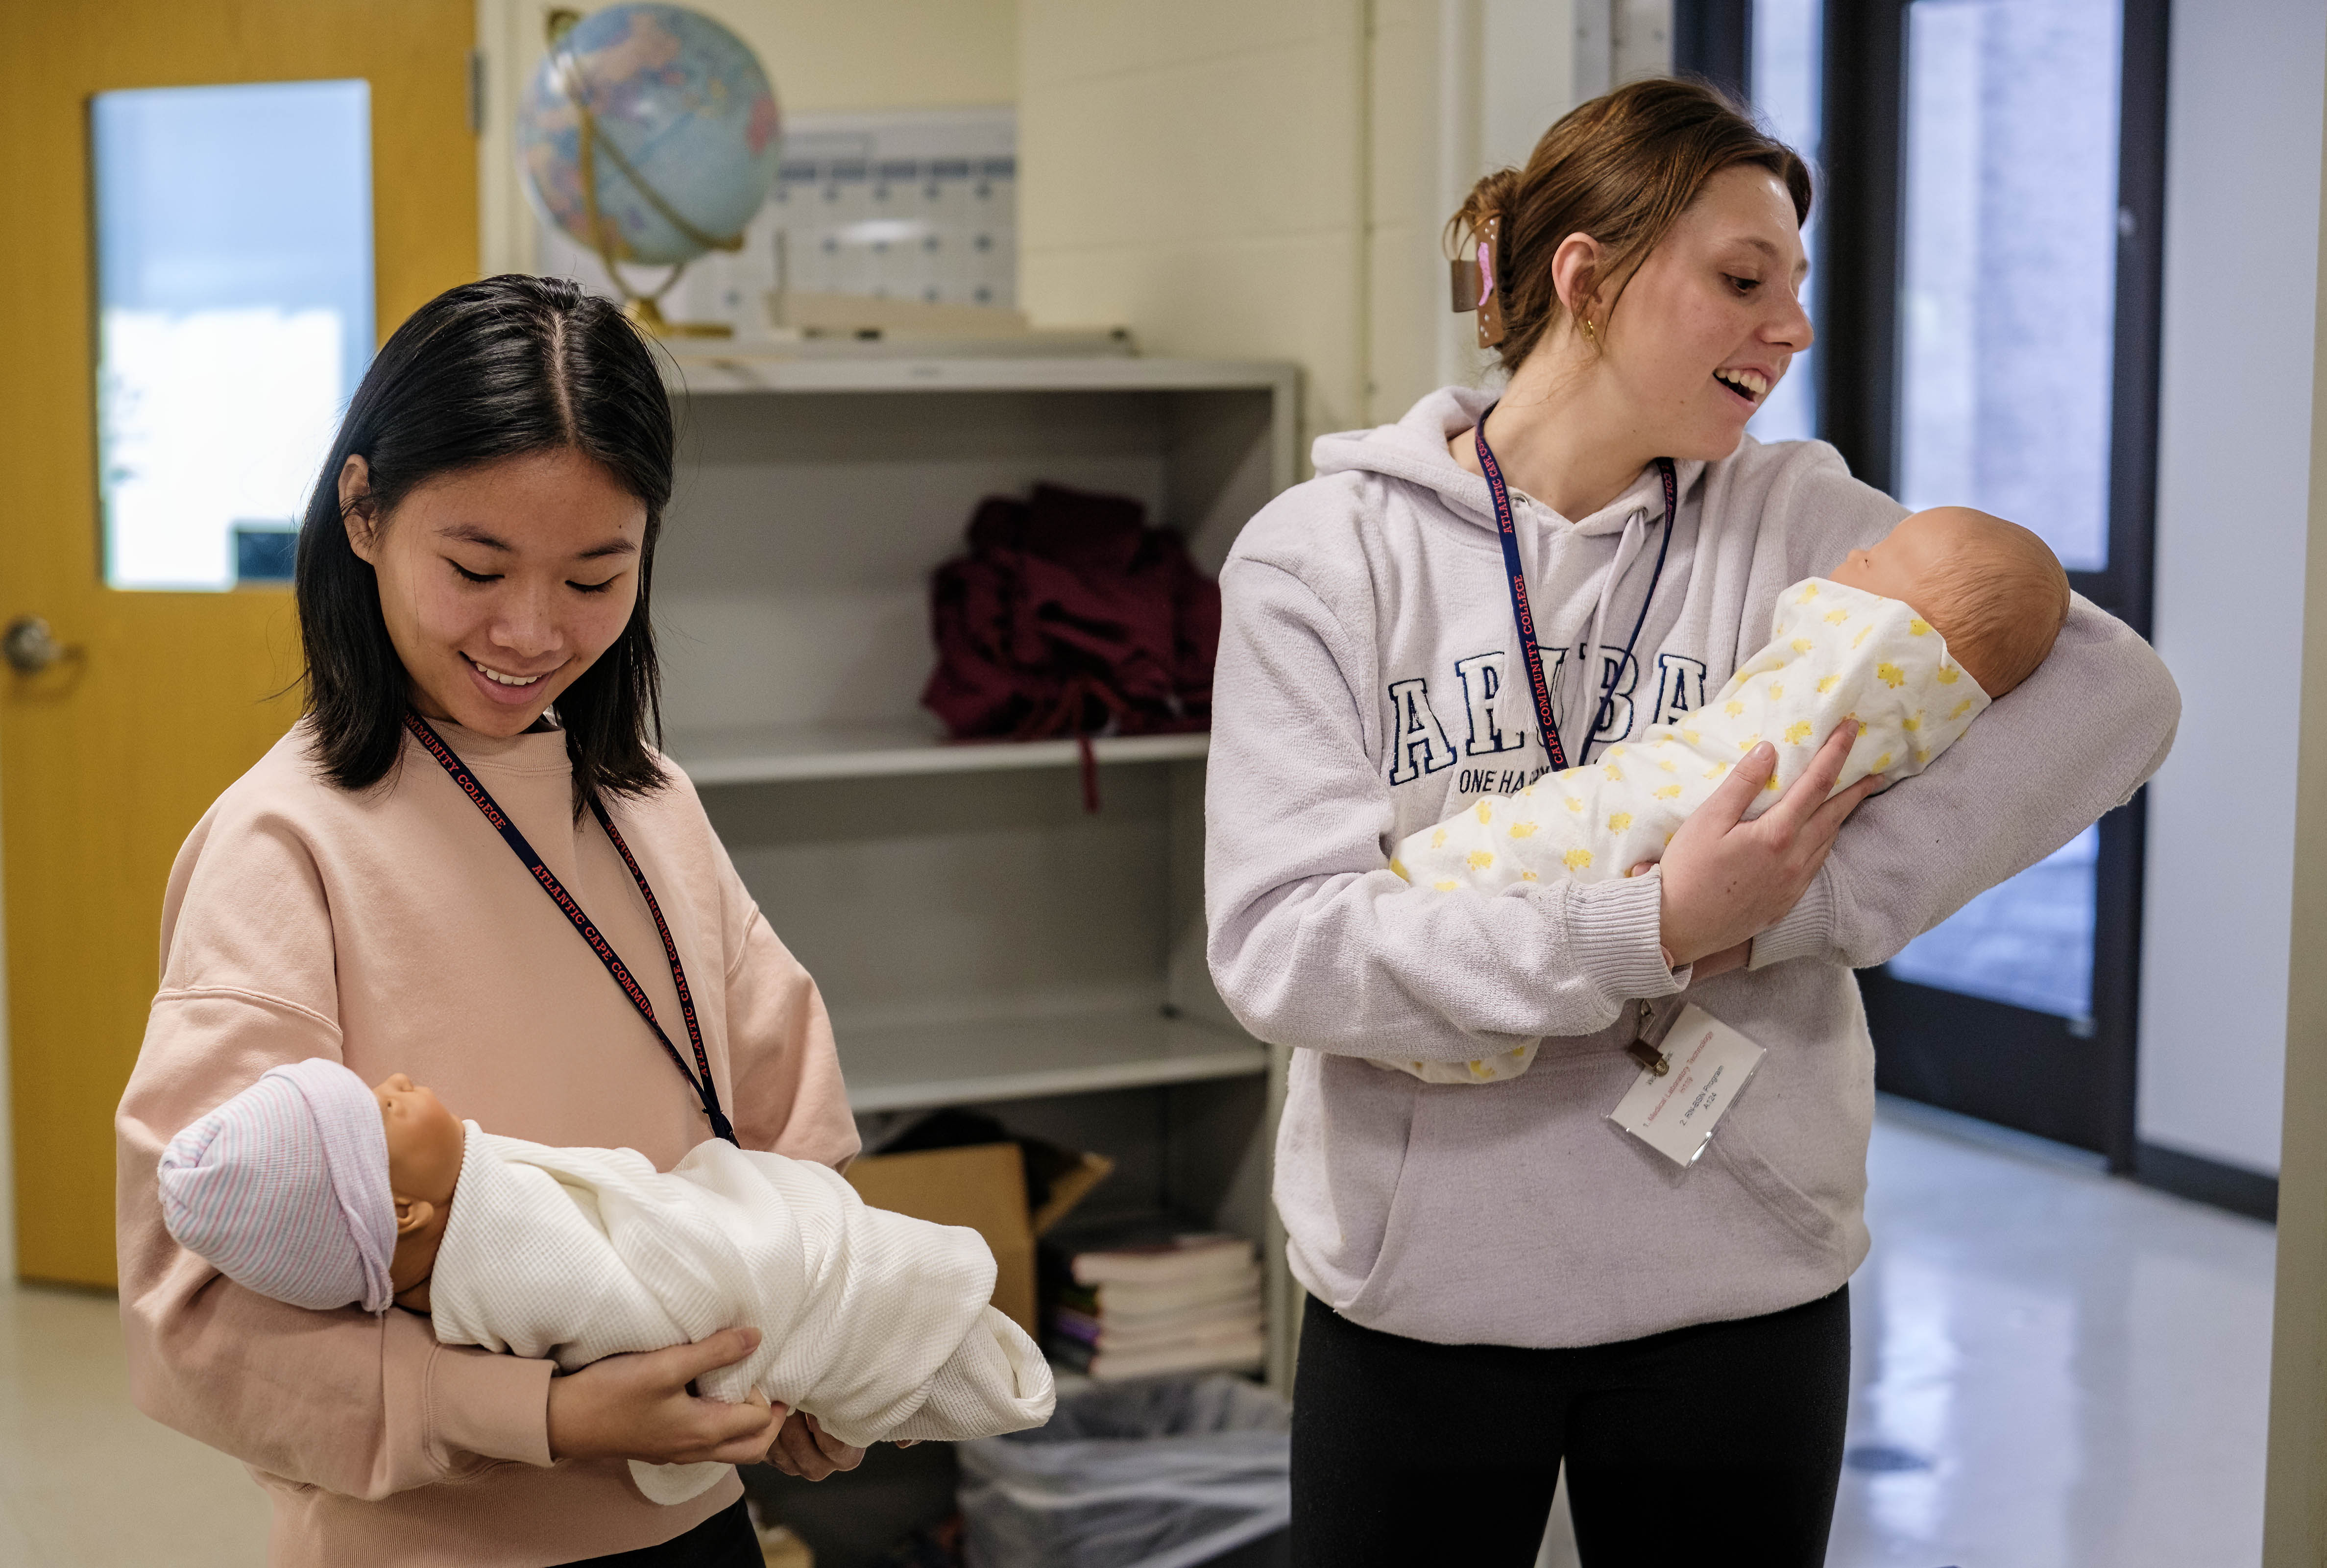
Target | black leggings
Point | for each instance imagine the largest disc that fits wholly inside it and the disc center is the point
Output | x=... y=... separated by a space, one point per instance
x=1717 y=1443
x=724 y=1540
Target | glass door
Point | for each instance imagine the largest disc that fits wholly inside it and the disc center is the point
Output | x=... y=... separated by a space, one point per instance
x=1993 y=230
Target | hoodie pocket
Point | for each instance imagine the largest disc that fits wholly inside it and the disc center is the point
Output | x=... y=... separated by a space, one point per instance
x=1398 y=1213
x=1796 y=1210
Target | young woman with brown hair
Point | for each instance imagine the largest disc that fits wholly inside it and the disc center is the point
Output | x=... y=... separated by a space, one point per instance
x=1501 y=1279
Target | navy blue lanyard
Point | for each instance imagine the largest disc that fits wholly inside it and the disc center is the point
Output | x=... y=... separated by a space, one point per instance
x=1538 y=679
x=699 y=1077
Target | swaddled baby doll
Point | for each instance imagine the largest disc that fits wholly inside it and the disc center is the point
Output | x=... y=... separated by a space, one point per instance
x=311 y=1188
x=1912 y=639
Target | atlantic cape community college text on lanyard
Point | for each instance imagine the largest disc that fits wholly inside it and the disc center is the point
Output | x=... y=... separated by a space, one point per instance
x=1679 y=1095
x=698 y=1078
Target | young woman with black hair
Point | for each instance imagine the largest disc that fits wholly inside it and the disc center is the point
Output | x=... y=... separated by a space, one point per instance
x=472 y=590
x=1501 y=1280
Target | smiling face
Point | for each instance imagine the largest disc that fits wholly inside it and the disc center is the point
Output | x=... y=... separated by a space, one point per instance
x=501 y=584
x=1713 y=317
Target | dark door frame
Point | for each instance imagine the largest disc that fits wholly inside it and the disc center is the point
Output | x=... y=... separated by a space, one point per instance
x=1713 y=40
x=2070 y=1081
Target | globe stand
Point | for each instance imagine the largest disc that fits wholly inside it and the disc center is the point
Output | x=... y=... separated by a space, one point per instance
x=605 y=237
x=649 y=315
x=646 y=310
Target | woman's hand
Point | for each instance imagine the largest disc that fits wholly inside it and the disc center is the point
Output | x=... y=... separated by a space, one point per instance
x=1726 y=880
x=804 y=1449
x=642 y=1406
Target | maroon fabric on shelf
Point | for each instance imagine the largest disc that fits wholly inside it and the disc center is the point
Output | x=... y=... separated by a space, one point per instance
x=1069 y=616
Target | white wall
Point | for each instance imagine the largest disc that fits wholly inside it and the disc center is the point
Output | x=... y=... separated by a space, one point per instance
x=1457 y=88
x=1270 y=178
x=2241 y=258
x=1197 y=172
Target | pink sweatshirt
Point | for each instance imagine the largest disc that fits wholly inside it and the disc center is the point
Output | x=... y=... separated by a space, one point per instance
x=394 y=931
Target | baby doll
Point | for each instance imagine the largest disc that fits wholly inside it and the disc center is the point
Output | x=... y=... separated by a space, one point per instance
x=314 y=1189
x=1912 y=639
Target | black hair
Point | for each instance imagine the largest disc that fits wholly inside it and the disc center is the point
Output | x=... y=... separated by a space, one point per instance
x=498 y=368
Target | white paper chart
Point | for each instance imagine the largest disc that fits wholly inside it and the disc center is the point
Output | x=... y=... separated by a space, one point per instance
x=919 y=205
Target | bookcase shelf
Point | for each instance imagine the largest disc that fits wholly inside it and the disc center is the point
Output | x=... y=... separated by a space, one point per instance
x=909 y=1067
x=709 y=373
x=775 y=753
x=979 y=936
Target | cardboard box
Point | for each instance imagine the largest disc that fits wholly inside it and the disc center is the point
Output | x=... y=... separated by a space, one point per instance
x=982 y=1187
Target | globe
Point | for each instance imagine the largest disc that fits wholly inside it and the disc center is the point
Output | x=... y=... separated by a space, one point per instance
x=650 y=134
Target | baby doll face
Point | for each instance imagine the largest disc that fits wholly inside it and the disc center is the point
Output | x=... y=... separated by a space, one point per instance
x=1902 y=565
x=423 y=1141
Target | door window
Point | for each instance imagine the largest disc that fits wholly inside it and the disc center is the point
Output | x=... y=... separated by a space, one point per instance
x=2007 y=317
x=2006 y=325
x=234 y=273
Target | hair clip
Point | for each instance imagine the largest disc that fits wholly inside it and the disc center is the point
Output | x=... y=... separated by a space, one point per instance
x=1473 y=285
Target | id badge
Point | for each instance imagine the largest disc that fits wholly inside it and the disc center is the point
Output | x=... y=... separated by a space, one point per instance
x=1675 y=1113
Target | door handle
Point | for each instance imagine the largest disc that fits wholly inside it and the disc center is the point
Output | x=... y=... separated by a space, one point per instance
x=30 y=647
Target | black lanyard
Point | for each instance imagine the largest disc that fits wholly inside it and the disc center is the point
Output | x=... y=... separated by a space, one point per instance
x=700 y=1076
x=1516 y=574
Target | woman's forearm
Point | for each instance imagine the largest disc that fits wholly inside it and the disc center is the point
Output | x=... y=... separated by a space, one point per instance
x=355 y=1403
x=1313 y=941
x=2084 y=733
x=360 y=1405
x=1361 y=964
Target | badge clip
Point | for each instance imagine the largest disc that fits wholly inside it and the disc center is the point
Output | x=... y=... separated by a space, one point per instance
x=1648 y=1035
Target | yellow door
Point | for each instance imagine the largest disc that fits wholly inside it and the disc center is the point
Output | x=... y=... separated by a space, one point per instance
x=109 y=756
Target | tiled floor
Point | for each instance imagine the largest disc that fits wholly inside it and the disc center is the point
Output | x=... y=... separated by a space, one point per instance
x=85 y=1480
x=2064 y=1370
x=2054 y=1370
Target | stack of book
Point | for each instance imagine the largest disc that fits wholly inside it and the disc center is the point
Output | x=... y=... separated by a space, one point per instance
x=1184 y=1303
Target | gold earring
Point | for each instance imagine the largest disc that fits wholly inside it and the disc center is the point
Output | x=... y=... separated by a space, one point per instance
x=1589 y=335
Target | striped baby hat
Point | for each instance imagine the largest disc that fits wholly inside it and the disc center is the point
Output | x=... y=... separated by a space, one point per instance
x=284 y=1189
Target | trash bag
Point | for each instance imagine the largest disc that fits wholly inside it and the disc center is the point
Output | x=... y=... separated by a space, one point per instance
x=1070 y=617
x=1163 y=1474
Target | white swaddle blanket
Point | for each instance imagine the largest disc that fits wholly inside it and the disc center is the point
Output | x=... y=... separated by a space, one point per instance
x=876 y=1323
x=1834 y=653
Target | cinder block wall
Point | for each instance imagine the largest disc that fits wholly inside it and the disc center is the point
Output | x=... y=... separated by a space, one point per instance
x=1270 y=178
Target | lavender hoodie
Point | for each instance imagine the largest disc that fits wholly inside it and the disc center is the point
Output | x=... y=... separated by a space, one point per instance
x=1369 y=684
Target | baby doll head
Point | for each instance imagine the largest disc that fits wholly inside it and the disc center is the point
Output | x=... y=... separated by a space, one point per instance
x=1992 y=589
x=424 y=1145
x=314 y=1189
